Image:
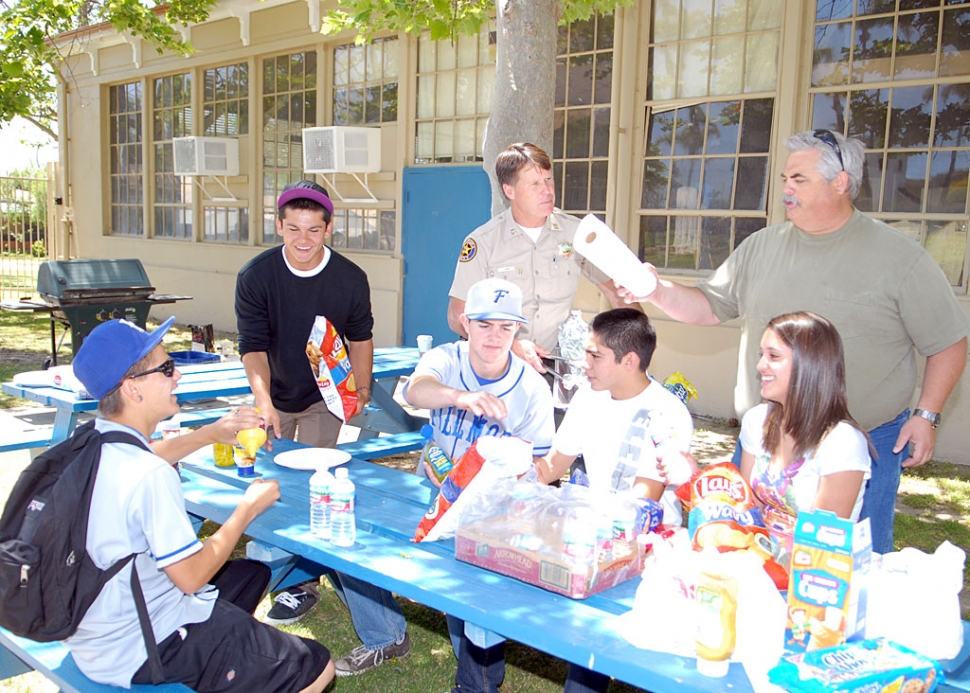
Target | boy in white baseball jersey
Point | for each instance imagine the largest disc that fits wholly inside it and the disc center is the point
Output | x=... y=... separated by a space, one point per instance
x=479 y=387
x=472 y=389
x=624 y=420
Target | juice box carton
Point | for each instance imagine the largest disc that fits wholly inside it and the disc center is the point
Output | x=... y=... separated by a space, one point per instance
x=827 y=585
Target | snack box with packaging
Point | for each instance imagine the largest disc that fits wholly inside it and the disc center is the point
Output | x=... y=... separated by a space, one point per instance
x=864 y=666
x=827 y=586
x=552 y=537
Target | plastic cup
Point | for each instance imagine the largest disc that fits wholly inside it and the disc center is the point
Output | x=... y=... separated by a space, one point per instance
x=424 y=342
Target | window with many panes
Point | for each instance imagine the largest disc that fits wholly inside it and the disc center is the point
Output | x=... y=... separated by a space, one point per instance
x=289 y=105
x=712 y=74
x=898 y=79
x=225 y=100
x=454 y=98
x=363 y=229
x=171 y=117
x=226 y=224
x=126 y=156
x=581 y=139
x=365 y=82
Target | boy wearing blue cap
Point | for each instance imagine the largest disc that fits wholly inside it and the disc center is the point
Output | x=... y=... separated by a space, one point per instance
x=206 y=635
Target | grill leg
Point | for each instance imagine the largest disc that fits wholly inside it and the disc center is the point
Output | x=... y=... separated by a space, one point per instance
x=53 y=343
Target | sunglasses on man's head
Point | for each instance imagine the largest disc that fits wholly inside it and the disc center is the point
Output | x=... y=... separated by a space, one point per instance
x=166 y=368
x=829 y=139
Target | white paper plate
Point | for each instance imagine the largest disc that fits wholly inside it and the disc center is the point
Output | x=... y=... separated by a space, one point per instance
x=311 y=459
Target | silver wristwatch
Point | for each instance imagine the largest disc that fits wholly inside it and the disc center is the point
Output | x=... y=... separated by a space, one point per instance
x=931 y=416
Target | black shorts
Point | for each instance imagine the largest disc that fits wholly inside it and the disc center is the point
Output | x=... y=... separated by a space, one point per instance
x=232 y=651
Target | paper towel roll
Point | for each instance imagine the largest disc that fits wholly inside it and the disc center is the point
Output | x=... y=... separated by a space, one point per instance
x=597 y=243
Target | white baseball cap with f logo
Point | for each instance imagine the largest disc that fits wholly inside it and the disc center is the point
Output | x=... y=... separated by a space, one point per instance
x=494 y=299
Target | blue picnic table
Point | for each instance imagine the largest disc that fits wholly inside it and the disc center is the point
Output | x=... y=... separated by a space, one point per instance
x=390 y=503
x=228 y=378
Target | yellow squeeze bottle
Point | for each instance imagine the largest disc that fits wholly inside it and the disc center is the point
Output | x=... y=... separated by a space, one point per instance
x=251 y=440
x=716 y=598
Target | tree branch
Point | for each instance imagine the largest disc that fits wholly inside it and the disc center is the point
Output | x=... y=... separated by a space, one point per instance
x=40 y=126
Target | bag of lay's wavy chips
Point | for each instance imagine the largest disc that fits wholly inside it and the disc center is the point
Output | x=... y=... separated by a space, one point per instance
x=465 y=469
x=724 y=515
x=331 y=368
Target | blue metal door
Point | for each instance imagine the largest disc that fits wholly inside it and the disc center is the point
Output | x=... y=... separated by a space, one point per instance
x=442 y=205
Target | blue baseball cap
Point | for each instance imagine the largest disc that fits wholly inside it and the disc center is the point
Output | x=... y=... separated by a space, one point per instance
x=494 y=299
x=110 y=350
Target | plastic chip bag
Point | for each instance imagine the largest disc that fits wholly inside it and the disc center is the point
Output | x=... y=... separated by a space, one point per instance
x=680 y=386
x=488 y=460
x=331 y=368
x=725 y=516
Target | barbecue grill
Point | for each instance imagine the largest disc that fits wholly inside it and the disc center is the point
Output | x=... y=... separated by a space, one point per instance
x=81 y=294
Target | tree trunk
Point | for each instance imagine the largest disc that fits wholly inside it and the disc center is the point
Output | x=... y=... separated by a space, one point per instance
x=525 y=81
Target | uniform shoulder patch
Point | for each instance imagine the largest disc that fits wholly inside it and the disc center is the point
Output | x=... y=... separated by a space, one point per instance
x=468 y=251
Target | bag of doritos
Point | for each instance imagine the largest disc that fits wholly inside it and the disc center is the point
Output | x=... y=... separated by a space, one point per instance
x=331 y=368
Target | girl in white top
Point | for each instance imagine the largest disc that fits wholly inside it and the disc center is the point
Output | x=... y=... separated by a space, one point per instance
x=801 y=449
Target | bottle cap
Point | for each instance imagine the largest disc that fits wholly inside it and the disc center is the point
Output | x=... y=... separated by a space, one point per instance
x=715 y=670
x=342 y=473
x=427 y=432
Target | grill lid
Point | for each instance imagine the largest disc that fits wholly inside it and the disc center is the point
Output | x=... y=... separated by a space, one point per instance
x=67 y=279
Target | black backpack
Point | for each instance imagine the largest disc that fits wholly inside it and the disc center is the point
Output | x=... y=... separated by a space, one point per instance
x=47 y=579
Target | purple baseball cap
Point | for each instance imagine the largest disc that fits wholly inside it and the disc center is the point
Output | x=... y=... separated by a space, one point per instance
x=305 y=190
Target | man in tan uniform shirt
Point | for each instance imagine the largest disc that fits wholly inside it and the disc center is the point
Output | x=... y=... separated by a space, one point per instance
x=531 y=245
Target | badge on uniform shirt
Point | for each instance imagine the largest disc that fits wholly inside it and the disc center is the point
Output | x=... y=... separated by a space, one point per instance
x=565 y=249
x=468 y=251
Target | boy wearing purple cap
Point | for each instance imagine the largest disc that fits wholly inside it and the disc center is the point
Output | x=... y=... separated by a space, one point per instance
x=205 y=636
x=279 y=295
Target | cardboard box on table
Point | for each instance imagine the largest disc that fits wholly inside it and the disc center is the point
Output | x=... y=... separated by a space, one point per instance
x=828 y=582
x=485 y=544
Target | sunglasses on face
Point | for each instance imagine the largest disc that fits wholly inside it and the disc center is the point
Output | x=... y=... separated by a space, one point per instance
x=166 y=368
x=829 y=139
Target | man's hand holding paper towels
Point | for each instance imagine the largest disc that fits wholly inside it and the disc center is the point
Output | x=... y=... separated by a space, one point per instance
x=595 y=241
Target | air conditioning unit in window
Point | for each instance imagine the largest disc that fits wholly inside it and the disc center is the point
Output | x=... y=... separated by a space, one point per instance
x=206 y=156
x=341 y=149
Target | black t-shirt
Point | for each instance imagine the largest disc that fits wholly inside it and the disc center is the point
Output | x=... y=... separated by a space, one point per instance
x=275 y=311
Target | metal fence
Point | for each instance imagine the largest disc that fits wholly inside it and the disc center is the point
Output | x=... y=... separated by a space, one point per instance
x=26 y=232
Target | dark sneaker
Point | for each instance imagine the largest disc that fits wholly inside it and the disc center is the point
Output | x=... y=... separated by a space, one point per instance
x=290 y=606
x=361 y=659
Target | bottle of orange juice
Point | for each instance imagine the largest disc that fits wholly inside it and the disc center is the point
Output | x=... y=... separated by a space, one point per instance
x=716 y=598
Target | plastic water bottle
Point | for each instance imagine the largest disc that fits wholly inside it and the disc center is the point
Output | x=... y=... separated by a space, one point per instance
x=321 y=485
x=343 y=527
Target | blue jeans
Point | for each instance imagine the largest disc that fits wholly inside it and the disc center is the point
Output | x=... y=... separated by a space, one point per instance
x=481 y=670
x=879 y=502
x=377 y=616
